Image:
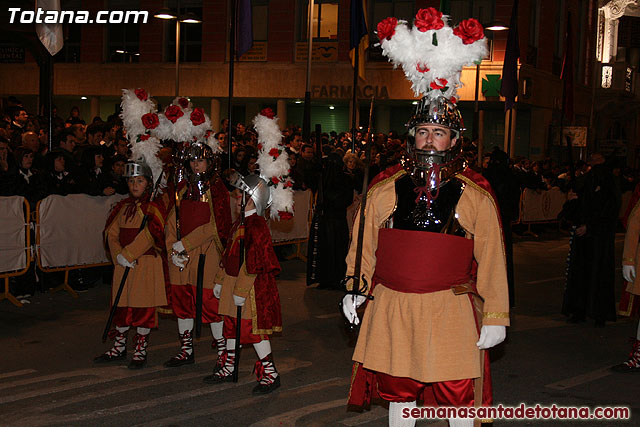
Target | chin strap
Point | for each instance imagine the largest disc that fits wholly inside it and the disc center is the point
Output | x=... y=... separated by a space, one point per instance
x=433 y=181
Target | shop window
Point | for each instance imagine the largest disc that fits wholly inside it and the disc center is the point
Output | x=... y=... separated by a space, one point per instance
x=123 y=40
x=325 y=20
x=190 y=33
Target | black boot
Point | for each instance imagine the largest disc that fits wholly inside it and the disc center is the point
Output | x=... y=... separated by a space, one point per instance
x=268 y=377
x=186 y=355
x=224 y=374
x=119 y=349
x=221 y=348
x=140 y=353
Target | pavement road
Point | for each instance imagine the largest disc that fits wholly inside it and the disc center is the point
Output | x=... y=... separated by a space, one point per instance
x=47 y=377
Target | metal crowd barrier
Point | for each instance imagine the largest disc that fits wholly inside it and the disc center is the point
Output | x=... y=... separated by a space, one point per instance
x=6 y=294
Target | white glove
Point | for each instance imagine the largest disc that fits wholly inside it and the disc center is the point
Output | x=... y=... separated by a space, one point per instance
x=349 y=304
x=123 y=261
x=178 y=260
x=629 y=273
x=217 y=290
x=178 y=246
x=491 y=335
x=238 y=301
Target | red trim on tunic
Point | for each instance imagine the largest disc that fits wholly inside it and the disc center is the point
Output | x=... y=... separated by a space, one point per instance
x=183 y=303
x=447 y=393
x=128 y=235
x=246 y=337
x=144 y=317
x=422 y=262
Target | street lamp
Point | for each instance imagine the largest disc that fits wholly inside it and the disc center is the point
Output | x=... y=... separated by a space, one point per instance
x=494 y=26
x=188 y=18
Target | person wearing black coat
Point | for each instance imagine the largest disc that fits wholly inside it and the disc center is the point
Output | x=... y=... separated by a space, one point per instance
x=59 y=180
x=94 y=181
x=28 y=182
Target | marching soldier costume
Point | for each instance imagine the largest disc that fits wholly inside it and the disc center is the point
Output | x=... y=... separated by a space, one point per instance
x=248 y=279
x=433 y=248
x=204 y=223
x=139 y=252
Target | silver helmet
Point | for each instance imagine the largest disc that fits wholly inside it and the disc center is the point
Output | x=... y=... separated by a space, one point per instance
x=256 y=187
x=137 y=168
x=418 y=162
x=198 y=182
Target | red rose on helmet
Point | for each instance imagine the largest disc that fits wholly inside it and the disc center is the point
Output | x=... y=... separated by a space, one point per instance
x=274 y=152
x=469 y=30
x=268 y=113
x=429 y=19
x=285 y=215
x=144 y=137
x=173 y=113
x=150 y=120
x=439 y=84
x=422 y=68
x=288 y=184
x=141 y=94
x=197 y=116
x=259 y=146
x=183 y=102
x=275 y=180
x=387 y=28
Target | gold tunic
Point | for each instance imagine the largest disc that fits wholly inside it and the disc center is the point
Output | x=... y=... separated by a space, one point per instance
x=630 y=253
x=431 y=337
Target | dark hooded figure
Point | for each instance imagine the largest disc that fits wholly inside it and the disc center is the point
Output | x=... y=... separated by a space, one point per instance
x=505 y=186
x=94 y=180
x=333 y=230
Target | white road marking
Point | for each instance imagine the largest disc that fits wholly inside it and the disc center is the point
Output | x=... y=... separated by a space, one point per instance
x=580 y=379
x=288 y=419
x=48 y=419
x=230 y=406
x=328 y=316
x=17 y=373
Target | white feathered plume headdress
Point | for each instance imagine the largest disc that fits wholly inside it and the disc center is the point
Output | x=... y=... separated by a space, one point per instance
x=182 y=123
x=274 y=164
x=139 y=118
x=432 y=53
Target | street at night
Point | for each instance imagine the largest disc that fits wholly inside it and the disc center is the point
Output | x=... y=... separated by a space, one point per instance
x=47 y=375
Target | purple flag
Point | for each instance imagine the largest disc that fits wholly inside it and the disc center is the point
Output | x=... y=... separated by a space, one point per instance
x=244 y=31
x=509 y=85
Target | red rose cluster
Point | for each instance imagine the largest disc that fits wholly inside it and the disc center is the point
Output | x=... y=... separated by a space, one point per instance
x=173 y=113
x=469 y=30
x=141 y=94
x=197 y=116
x=150 y=120
x=285 y=215
x=274 y=152
x=268 y=113
x=429 y=19
x=387 y=28
x=183 y=102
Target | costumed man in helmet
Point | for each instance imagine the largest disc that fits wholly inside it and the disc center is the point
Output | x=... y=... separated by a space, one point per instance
x=199 y=224
x=142 y=251
x=433 y=247
x=250 y=263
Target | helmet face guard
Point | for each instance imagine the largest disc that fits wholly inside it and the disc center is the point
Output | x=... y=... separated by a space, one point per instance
x=256 y=187
x=139 y=168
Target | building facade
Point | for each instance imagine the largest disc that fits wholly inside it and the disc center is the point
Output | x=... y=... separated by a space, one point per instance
x=98 y=60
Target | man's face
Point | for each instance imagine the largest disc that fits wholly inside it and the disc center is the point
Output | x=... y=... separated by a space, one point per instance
x=433 y=137
x=307 y=154
x=78 y=132
x=296 y=142
x=21 y=117
x=68 y=144
x=118 y=167
x=99 y=160
x=222 y=140
x=122 y=148
x=95 y=138
x=198 y=166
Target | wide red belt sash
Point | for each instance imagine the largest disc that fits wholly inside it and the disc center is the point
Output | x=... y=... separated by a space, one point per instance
x=422 y=262
x=128 y=235
x=193 y=214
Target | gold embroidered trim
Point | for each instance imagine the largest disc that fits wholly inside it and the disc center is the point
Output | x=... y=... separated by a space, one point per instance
x=254 y=319
x=356 y=365
x=627 y=311
x=393 y=177
x=495 y=315
x=212 y=221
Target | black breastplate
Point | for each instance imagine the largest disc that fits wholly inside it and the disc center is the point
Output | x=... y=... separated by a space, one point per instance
x=436 y=216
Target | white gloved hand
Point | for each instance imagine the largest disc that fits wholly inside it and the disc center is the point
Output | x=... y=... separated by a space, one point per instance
x=491 y=335
x=178 y=246
x=238 y=301
x=629 y=273
x=178 y=260
x=350 y=303
x=123 y=261
x=217 y=290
